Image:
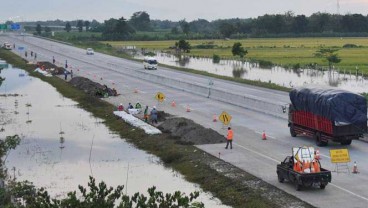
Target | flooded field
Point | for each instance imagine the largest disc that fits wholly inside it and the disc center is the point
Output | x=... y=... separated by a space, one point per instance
x=345 y=79
x=62 y=144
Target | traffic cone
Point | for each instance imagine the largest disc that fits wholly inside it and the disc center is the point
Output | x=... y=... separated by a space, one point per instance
x=188 y=108
x=355 y=168
x=214 y=118
x=264 y=137
x=173 y=104
x=317 y=156
x=135 y=90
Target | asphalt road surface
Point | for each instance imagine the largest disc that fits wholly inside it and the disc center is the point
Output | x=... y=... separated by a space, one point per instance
x=250 y=152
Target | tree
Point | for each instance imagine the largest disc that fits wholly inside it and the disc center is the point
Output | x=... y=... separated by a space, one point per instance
x=183 y=45
x=68 y=27
x=117 y=29
x=10 y=142
x=330 y=55
x=38 y=29
x=185 y=27
x=87 y=24
x=238 y=50
x=227 y=29
x=102 y=196
x=47 y=29
x=80 y=25
x=141 y=21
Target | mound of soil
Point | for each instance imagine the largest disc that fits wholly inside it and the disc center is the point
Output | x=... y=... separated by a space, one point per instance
x=189 y=132
x=91 y=87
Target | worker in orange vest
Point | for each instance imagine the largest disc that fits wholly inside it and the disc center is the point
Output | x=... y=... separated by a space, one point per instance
x=229 y=138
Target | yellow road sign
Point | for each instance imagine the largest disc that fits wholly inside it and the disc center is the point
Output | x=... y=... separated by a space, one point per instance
x=160 y=96
x=225 y=118
x=340 y=156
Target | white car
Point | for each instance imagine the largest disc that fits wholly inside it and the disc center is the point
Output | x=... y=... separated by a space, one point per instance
x=150 y=63
x=90 y=51
x=7 y=46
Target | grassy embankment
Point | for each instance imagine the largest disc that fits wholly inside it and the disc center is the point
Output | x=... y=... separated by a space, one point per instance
x=193 y=163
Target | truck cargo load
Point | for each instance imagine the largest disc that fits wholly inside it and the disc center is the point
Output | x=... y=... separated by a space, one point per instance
x=339 y=106
x=327 y=114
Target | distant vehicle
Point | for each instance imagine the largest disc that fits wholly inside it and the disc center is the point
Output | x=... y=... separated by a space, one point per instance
x=7 y=46
x=90 y=51
x=327 y=114
x=150 y=63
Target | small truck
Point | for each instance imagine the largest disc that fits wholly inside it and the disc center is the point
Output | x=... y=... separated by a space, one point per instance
x=312 y=175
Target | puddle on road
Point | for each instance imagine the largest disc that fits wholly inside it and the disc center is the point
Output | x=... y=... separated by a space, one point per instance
x=41 y=116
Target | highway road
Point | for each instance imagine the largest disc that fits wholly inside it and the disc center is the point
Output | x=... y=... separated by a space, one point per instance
x=261 y=110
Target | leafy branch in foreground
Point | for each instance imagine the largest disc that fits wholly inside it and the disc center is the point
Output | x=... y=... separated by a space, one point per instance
x=101 y=196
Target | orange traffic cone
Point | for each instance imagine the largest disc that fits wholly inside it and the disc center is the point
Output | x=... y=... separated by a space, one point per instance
x=173 y=104
x=317 y=156
x=214 y=118
x=264 y=137
x=135 y=90
x=355 y=168
x=188 y=108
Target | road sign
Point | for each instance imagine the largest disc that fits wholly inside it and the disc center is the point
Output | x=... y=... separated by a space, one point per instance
x=15 y=26
x=3 y=26
x=160 y=96
x=340 y=155
x=225 y=118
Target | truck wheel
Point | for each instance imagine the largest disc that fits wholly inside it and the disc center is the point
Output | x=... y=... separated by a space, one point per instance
x=298 y=187
x=346 y=142
x=281 y=179
x=322 y=186
x=319 y=142
x=292 y=131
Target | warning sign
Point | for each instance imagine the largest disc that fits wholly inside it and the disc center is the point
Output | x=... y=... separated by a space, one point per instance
x=340 y=156
x=160 y=96
x=225 y=118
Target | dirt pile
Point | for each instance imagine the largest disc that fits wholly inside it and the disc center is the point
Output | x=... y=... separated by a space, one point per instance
x=92 y=88
x=189 y=132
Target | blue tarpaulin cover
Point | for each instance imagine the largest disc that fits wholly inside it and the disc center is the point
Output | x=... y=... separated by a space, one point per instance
x=337 y=105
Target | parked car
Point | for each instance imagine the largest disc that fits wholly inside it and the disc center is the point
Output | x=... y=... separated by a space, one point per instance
x=90 y=51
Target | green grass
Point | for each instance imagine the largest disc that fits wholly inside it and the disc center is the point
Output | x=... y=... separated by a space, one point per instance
x=190 y=161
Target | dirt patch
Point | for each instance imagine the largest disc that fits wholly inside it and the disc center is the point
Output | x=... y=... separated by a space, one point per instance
x=92 y=88
x=189 y=132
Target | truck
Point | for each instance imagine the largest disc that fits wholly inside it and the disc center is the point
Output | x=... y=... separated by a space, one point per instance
x=309 y=177
x=327 y=114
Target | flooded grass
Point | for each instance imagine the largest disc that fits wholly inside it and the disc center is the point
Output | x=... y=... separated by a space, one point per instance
x=196 y=165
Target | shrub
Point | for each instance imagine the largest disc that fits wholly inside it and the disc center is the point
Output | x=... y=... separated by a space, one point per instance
x=349 y=45
x=265 y=64
x=216 y=58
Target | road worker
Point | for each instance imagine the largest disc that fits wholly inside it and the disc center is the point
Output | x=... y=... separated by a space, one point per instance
x=229 y=138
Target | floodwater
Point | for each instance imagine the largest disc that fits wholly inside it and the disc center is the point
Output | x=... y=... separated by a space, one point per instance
x=347 y=80
x=62 y=145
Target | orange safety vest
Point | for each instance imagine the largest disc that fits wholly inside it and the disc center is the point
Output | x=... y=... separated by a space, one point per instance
x=230 y=134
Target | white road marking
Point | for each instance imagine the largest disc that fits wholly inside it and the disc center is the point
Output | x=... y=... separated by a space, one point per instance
x=350 y=192
x=260 y=154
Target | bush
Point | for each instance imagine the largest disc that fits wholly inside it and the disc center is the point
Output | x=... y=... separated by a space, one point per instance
x=265 y=64
x=216 y=59
x=349 y=45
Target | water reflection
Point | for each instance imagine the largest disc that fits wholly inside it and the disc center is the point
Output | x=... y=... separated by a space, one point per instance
x=345 y=79
x=63 y=145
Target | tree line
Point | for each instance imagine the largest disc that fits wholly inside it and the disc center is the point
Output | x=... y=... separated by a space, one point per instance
x=268 y=25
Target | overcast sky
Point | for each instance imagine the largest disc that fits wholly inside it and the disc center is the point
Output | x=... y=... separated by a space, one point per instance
x=29 y=10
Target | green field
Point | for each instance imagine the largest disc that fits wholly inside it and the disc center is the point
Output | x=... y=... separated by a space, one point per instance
x=282 y=51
